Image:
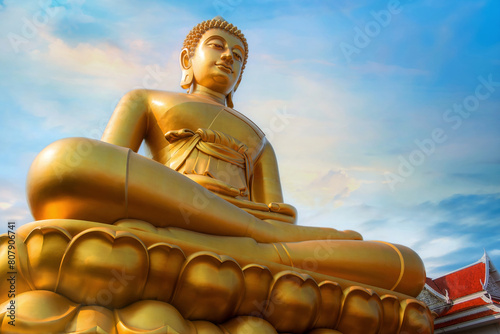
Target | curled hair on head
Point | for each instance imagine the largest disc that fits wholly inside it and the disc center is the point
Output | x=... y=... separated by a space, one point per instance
x=194 y=36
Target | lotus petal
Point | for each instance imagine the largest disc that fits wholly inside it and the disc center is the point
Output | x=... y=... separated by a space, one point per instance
x=46 y=246
x=210 y=287
x=416 y=317
x=165 y=263
x=38 y=311
x=390 y=322
x=109 y=268
x=93 y=319
x=206 y=327
x=151 y=316
x=248 y=325
x=294 y=302
x=331 y=299
x=258 y=281
x=361 y=311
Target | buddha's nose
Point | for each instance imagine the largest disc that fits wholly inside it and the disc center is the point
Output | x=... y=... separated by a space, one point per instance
x=227 y=57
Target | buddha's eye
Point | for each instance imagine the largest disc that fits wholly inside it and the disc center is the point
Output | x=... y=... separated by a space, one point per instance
x=237 y=56
x=216 y=45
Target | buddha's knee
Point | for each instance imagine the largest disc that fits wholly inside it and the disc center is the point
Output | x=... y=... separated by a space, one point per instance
x=412 y=278
x=72 y=177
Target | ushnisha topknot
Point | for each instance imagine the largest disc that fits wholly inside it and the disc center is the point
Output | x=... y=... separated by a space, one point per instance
x=194 y=36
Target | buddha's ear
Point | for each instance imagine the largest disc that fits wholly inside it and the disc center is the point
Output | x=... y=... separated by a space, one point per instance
x=187 y=69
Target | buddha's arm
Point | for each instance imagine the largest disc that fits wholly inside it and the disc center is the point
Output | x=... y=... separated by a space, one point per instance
x=266 y=185
x=132 y=122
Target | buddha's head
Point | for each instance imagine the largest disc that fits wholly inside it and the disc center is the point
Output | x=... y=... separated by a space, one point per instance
x=214 y=56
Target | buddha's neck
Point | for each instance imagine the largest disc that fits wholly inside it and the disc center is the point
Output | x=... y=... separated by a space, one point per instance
x=209 y=94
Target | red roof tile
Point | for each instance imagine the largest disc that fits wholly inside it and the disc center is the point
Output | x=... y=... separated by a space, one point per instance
x=462 y=282
x=430 y=282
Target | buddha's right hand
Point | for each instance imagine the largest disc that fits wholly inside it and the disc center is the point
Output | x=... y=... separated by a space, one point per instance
x=283 y=208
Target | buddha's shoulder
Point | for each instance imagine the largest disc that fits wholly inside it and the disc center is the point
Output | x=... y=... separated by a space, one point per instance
x=172 y=99
x=180 y=110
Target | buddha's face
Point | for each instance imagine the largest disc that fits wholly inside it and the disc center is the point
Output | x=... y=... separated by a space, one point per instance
x=218 y=60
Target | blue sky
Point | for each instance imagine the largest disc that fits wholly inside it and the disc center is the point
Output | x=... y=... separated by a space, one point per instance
x=384 y=114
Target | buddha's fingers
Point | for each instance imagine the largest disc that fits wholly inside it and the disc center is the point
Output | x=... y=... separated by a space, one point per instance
x=352 y=235
x=333 y=234
x=283 y=208
x=245 y=204
x=270 y=215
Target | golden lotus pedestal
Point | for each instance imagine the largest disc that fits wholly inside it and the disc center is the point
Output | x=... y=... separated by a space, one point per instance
x=84 y=277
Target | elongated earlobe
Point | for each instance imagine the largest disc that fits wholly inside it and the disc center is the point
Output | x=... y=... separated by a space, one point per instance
x=187 y=69
x=187 y=79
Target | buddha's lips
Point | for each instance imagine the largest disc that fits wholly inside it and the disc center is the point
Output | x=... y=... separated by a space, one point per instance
x=224 y=67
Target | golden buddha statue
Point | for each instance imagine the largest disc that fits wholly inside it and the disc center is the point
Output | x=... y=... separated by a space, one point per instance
x=196 y=224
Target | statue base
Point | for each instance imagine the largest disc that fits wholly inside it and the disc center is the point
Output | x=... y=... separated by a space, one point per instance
x=86 y=277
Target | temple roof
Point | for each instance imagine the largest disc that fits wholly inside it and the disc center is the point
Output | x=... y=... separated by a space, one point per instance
x=463 y=282
x=465 y=298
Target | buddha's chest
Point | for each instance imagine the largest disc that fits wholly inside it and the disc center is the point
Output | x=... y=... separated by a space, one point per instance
x=195 y=115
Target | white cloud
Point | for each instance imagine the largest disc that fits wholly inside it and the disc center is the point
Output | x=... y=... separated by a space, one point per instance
x=494 y=252
x=103 y=60
x=329 y=189
x=443 y=246
x=5 y=205
x=67 y=82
